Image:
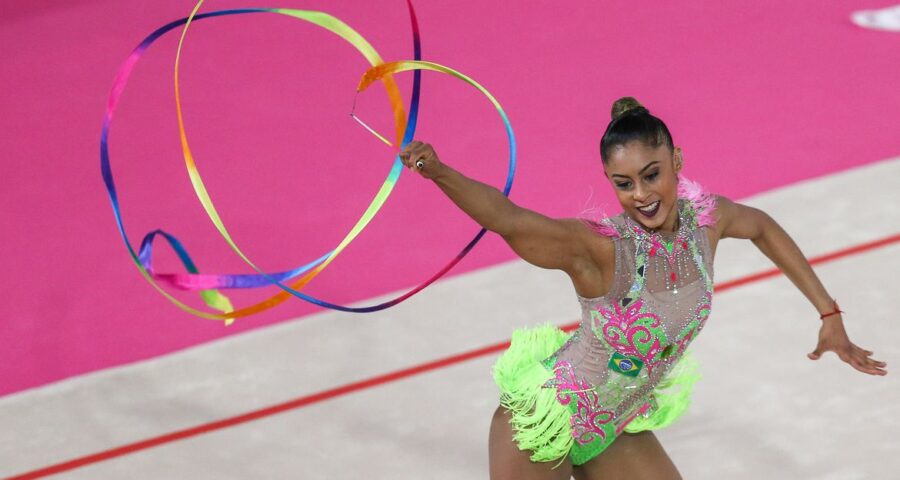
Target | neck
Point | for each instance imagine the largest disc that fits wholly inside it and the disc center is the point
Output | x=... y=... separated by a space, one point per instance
x=671 y=224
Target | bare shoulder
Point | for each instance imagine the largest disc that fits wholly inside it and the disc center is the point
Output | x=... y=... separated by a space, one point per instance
x=589 y=232
x=724 y=212
x=592 y=272
x=735 y=220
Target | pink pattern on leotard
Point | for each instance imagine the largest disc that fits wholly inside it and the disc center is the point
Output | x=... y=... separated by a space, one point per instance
x=586 y=422
x=621 y=332
x=658 y=248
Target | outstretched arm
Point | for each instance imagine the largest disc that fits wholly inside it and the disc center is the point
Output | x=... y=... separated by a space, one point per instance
x=740 y=221
x=539 y=240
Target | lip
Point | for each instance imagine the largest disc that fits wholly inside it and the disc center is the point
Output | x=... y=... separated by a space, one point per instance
x=652 y=212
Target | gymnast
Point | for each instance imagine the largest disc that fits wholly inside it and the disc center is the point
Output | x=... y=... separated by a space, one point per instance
x=585 y=404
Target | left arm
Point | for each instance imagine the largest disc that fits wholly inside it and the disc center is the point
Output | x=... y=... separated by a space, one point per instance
x=740 y=221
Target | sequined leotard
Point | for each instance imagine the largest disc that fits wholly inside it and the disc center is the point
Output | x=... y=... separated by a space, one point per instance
x=606 y=372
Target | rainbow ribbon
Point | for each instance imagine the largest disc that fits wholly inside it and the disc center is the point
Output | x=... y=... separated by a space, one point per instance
x=208 y=283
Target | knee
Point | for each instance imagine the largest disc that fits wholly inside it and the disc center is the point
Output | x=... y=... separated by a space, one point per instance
x=501 y=415
x=500 y=411
x=501 y=425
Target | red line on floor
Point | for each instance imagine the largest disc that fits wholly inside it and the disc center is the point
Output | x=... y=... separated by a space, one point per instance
x=381 y=379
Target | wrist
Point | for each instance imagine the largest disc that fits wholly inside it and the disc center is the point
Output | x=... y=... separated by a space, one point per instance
x=440 y=173
x=835 y=312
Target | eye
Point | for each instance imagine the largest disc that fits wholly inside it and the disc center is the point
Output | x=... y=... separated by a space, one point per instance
x=623 y=185
x=652 y=176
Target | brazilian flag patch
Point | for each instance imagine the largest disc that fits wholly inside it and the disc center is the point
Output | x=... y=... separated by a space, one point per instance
x=629 y=366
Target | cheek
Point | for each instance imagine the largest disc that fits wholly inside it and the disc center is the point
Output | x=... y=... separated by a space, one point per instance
x=624 y=198
x=670 y=187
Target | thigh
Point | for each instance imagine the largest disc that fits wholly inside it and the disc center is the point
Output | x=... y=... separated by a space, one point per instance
x=632 y=456
x=507 y=462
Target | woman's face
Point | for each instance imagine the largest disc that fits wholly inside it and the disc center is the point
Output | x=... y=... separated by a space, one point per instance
x=643 y=176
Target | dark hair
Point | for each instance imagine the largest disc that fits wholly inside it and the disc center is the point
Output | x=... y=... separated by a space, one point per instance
x=632 y=122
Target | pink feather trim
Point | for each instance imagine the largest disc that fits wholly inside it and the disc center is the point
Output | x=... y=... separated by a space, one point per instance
x=604 y=227
x=704 y=203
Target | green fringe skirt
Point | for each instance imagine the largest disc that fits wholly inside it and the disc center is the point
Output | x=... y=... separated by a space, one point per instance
x=541 y=423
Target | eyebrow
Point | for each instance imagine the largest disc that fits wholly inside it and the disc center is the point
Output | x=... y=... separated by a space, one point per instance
x=642 y=170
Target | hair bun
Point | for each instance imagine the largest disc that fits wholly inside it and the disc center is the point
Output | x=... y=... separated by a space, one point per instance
x=627 y=105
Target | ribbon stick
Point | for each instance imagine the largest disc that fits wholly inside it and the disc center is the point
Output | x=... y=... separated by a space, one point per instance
x=212 y=297
x=209 y=283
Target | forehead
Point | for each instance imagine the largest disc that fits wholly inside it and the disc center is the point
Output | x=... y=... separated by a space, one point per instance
x=629 y=159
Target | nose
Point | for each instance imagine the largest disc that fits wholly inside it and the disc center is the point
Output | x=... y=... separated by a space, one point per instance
x=639 y=194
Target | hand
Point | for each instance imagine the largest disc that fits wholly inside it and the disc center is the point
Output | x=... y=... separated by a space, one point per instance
x=833 y=337
x=422 y=158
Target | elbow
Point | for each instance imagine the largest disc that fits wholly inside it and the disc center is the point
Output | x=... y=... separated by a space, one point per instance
x=506 y=220
x=765 y=227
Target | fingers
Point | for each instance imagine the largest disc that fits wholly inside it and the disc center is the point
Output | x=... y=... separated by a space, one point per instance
x=815 y=354
x=863 y=355
x=408 y=151
x=416 y=154
x=859 y=359
x=875 y=365
x=868 y=367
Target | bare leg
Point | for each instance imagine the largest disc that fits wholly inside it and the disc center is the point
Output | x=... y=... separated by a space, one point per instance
x=632 y=456
x=507 y=462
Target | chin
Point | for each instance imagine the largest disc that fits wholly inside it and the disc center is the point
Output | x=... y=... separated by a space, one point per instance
x=652 y=223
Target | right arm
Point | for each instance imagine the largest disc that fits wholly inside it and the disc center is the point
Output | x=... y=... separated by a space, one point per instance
x=548 y=243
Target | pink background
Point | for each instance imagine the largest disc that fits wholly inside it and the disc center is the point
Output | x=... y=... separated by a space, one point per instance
x=759 y=95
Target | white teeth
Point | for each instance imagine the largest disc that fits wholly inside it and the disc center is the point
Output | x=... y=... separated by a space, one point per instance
x=649 y=208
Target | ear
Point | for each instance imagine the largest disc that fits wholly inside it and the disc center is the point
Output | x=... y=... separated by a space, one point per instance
x=679 y=161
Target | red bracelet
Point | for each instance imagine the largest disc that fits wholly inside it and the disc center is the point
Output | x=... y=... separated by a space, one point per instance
x=836 y=311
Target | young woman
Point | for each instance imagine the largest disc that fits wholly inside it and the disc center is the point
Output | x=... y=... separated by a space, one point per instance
x=585 y=404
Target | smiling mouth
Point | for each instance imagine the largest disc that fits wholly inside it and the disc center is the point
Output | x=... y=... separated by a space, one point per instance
x=650 y=210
